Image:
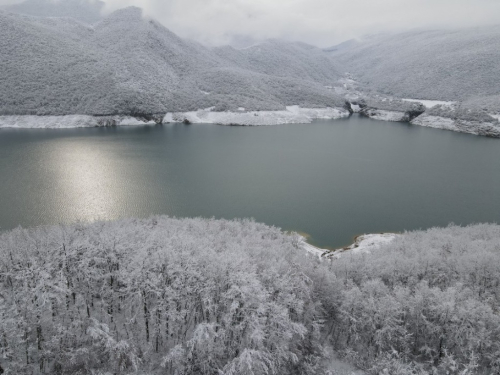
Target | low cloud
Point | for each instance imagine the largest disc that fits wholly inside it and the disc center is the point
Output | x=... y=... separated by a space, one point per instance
x=319 y=22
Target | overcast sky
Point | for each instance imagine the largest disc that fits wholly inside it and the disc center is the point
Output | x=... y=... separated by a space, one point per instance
x=319 y=22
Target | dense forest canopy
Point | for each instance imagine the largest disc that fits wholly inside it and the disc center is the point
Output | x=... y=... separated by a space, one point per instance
x=205 y=296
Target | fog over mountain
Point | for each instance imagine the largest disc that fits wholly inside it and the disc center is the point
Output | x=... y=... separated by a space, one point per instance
x=319 y=22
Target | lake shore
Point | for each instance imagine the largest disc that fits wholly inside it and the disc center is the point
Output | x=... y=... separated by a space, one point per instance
x=291 y=115
x=363 y=244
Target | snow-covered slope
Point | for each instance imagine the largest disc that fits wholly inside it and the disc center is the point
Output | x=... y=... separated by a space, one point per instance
x=441 y=65
x=284 y=59
x=127 y=64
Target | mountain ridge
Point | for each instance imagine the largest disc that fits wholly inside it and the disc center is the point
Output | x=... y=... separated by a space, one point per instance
x=128 y=64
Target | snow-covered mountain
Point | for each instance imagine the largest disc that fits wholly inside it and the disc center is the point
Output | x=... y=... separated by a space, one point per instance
x=440 y=64
x=88 y=11
x=129 y=64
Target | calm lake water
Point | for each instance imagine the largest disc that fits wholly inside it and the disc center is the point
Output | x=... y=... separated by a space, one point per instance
x=330 y=179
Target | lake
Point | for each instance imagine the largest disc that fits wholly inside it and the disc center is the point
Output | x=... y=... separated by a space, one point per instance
x=332 y=179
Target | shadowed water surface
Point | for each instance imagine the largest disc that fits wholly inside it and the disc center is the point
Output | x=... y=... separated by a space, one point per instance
x=330 y=179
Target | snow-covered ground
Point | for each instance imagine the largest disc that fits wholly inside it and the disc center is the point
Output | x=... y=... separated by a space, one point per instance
x=362 y=244
x=69 y=121
x=292 y=115
x=42 y=122
x=435 y=122
x=379 y=114
x=355 y=108
x=365 y=243
x=134 y=121
x=310 y=248
x=462 y=126
x=430 y=103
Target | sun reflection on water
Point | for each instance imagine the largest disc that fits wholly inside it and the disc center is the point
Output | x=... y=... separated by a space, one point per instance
x=88 y=180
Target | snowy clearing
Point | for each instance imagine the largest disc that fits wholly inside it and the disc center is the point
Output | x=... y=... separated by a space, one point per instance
x=430 y=103
x=362 y=244
x=365 y=244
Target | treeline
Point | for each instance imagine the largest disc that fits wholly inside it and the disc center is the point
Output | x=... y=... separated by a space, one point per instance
x=205 y=296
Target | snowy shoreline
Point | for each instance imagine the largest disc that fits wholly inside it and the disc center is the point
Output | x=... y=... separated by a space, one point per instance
x=487 y=129
x=291 y=115
x=69 y=121
x=363 y=244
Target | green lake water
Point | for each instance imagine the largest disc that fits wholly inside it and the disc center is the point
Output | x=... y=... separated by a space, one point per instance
x=330 y=179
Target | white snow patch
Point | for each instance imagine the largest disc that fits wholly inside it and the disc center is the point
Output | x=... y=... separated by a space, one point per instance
x=134 y=121
x=495 y=115
x=435 y=122
x=365 y=244
x=292 y=115
x=430 y=103
x=68 y=121
x=379 y=114
x=311 y=249
x=461 y=126
x=45 y=122
x=355 y=108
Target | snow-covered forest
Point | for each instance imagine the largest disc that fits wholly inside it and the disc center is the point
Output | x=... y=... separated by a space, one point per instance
x=130 y=65
x=205 y=296
x=427 y=64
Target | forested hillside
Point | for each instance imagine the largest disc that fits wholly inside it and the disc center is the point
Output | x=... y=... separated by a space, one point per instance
x=127 y=64
x=199 y=296
x=440 y=64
